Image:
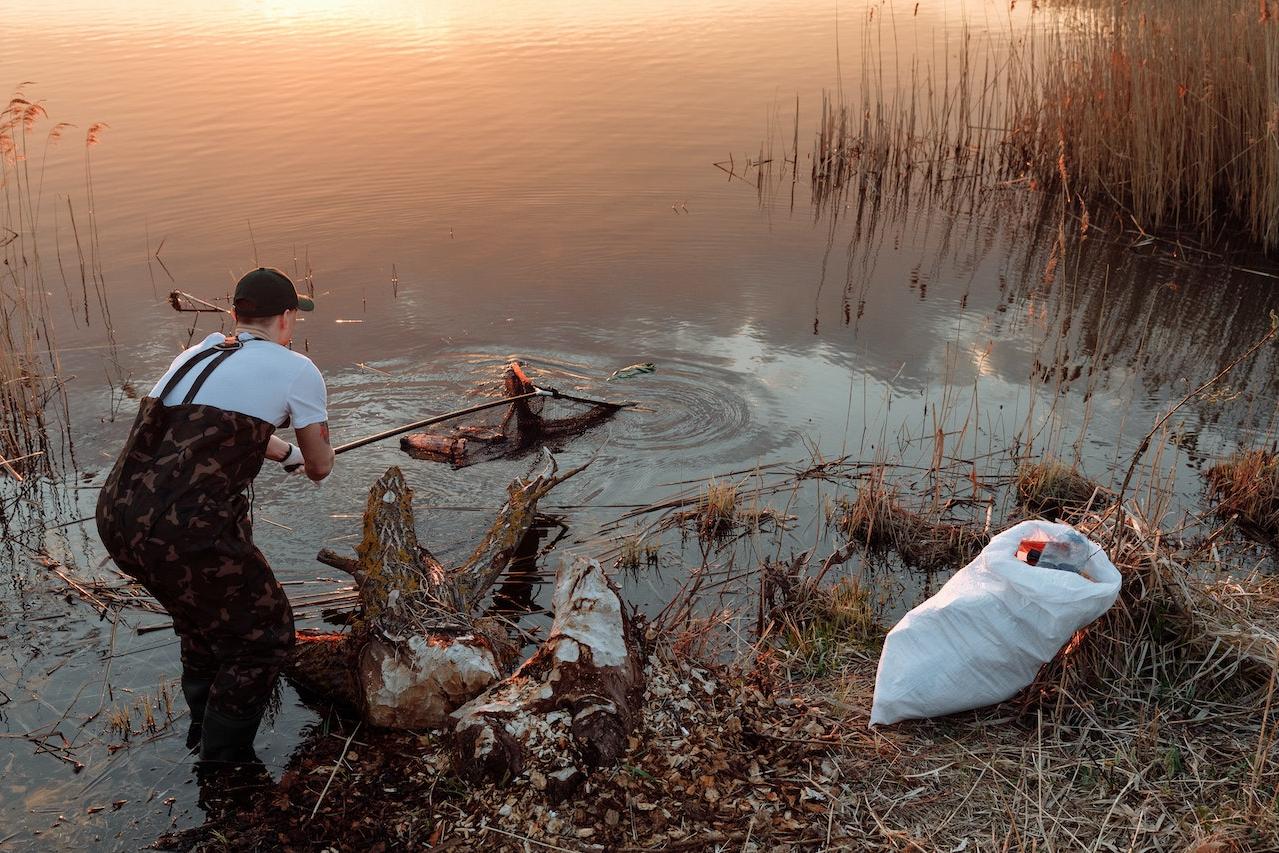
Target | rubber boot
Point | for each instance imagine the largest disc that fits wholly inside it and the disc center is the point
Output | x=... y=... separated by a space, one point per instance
x=229 y=740
x=196 y=691
x=229 y=774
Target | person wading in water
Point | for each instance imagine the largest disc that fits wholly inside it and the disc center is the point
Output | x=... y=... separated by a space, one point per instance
x=174 y=512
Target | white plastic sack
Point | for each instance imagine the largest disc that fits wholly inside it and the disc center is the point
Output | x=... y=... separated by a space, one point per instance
x=985 y=634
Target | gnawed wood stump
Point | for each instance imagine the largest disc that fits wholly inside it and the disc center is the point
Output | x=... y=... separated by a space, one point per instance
x=571 y=707
x=416 y=650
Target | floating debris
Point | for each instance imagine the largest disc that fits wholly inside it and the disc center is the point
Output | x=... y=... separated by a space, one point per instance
x=633 y=370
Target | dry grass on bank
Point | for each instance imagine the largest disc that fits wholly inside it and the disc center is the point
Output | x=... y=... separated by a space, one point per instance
x=1156 y=728
x=1246 y=487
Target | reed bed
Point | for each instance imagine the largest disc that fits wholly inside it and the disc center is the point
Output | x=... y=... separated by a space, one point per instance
x=1165 y=112
x=1166 y=109
x=30 y=368
x=20 y=301
x=931 y=138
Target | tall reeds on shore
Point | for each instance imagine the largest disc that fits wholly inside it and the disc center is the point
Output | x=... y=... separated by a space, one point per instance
x=24 y=328
x=1166 y=109
x=1163 y=111
x=31 y=381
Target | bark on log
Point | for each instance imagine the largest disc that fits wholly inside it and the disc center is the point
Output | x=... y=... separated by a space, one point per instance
x=416 y=651
x=572 y=706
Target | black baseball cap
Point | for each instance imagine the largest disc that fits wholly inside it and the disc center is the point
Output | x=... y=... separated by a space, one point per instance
x=266 y=292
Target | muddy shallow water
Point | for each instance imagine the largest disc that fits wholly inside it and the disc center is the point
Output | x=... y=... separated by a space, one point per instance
x=481 y=181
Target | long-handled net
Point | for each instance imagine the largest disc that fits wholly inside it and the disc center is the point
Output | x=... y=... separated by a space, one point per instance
x=530 y=421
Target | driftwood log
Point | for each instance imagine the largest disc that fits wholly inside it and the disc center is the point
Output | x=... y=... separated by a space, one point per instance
x=571 y=707
x=415 y=650
x=523 y=428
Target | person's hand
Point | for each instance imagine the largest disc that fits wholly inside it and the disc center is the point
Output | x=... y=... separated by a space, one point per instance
x=294 y=461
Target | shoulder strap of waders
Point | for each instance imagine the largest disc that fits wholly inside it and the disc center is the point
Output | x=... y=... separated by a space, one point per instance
x=218 y=353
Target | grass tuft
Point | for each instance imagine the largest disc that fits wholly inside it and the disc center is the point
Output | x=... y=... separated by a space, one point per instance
x=717 y=511
x=876 y=519
x=1056 y=490
x=1246 y=487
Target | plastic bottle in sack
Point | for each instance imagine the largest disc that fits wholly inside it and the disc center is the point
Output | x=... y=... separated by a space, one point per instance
x=1069 y=554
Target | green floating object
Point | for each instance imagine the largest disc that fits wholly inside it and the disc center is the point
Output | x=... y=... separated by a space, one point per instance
x=633 y=370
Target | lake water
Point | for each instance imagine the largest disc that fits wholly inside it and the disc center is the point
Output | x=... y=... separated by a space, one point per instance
x=467 y=182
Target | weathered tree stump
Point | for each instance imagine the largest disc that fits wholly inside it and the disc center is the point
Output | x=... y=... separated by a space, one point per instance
x=416 y=651
x=571 y=707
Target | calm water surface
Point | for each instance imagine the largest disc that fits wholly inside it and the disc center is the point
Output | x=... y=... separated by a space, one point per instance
x=474 y=181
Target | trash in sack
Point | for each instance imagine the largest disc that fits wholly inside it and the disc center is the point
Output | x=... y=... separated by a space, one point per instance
x=1070 y=554
x=985 y=634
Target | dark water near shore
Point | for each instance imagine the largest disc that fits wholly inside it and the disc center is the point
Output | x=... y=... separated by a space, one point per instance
x=472 y=182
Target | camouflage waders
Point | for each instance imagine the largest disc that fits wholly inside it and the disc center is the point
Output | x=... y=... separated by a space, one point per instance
x=174 y=515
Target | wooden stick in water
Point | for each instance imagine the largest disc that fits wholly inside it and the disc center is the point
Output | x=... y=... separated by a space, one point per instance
x=540 y=392
x=176 y=297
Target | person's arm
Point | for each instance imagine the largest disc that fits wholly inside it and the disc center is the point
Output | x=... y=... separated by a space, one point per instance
x=317 y=454
x=308 y=406
x=277 y=449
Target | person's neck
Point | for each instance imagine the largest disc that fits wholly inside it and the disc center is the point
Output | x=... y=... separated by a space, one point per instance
x=255 y=331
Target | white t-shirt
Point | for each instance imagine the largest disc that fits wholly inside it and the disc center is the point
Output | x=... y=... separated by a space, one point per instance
x=262 y=379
